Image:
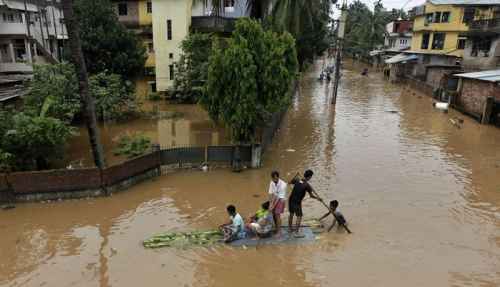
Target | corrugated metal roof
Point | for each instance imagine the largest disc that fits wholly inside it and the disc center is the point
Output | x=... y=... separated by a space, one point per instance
x=465 y=2
x=400 y=58
x=15 y=5
x=489 y=76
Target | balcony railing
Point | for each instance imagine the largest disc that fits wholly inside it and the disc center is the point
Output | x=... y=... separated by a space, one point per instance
x=213 y=24
x=485 y=26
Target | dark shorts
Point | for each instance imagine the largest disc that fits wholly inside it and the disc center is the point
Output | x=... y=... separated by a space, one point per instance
x=295 y=208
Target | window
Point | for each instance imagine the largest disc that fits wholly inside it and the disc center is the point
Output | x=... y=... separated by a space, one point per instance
x=445 y=17
x=425 y=41
x=228 y=3
x=438 y=41
x=428 y=18
x=171 y=55
x=149 y=7
x=149 y=71
x=461 y=43
x=169 y=29
x=171 y=71
x=10 y=17
x=152 y=86
x=437 y=17
x=122 y=9
x=469 y=15
x=151 y=48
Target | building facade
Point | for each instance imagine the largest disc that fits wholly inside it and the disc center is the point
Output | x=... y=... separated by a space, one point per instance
x=482 y=48
x=398 y=35
x=163 y=24
x=30 y=32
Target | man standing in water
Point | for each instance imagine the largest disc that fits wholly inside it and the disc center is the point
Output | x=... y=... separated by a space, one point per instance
x=277 y=197
x=300 y=187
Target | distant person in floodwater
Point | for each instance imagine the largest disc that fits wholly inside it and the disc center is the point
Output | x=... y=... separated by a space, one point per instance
x=365 y=72
x=235 y=229
x=277 y=197
x=338 y=216
x=300 y=187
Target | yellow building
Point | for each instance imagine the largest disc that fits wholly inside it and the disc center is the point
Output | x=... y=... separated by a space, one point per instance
x=163 y=24
x=441 y=26
x=439 y=29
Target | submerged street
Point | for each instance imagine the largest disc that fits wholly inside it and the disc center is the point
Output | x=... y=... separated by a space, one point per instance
x=422 y=197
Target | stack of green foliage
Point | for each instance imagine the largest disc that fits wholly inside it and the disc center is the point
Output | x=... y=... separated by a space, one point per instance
x=250 y=78
x=184 y=239
x=133 y=145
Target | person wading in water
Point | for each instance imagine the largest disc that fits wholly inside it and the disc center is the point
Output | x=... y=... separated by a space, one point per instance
x=300 y=187
x=277 y=197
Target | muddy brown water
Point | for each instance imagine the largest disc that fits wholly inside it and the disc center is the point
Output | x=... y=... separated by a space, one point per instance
x=422 y=197
x=164 y=124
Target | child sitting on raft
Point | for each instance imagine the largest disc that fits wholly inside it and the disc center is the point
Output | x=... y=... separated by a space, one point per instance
x=235 y=229
x=262 y=222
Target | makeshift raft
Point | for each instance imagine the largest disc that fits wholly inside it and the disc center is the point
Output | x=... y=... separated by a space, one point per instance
x=306 y=235
x=211 y=237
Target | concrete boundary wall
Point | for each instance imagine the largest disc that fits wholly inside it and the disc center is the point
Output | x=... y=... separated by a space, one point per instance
x=91 y=182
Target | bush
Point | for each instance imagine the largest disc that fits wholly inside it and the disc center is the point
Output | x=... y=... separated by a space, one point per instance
x=250 y=79
x=132 y=146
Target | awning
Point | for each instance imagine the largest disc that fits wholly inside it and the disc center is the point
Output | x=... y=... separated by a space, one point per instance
x=401 y=58
x=488 y=76
x=375 y=52
x=20 y=6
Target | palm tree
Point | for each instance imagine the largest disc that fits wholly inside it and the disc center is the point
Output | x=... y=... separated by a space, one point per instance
x=86 y=99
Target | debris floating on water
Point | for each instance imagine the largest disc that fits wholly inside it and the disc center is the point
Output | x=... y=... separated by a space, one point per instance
x=290 y=150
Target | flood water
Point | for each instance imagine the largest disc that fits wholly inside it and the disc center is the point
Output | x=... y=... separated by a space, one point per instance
x=164 y=124
x=422 y=197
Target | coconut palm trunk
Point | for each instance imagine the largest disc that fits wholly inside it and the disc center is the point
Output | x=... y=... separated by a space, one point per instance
x=87 y=101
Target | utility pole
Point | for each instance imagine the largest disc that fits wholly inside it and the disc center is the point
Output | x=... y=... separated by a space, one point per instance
x=339 y=46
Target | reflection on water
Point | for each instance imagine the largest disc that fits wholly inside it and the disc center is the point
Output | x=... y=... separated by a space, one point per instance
x=177 y=126
x=421 y=195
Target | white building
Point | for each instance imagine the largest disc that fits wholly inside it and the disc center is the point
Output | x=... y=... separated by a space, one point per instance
x=398 y=36
x=30 y=32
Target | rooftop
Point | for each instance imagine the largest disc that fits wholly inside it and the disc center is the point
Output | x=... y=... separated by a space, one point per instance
x=488 y=76
x=465 y=2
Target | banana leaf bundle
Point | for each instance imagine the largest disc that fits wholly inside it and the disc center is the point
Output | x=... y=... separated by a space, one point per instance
x=183 y=239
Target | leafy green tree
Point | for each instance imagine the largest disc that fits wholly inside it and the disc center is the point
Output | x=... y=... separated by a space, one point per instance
x=250 y=78
x=307 y=21
x=192 y=67
x=114 y=97
x=31 y=142
x=53 y=92
x=107 y=45
x=365 y=29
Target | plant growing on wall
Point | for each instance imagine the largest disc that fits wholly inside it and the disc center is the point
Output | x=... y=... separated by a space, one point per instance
x=250 y=78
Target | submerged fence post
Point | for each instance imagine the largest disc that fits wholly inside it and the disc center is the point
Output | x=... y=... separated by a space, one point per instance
x=488 y=109
x=256 y=156
x=157 y=150
x=206 y=154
